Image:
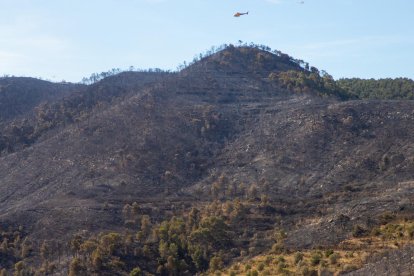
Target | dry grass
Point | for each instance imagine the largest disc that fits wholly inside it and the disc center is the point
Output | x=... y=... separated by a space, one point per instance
x=349 y=255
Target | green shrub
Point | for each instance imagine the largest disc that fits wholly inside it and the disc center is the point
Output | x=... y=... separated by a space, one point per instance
x=349 y=254
x=328 y=253
x=136 y=272
x=281 y=267
x=315 y=258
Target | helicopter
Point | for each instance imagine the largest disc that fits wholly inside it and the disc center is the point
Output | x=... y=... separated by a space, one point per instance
x=238 y=14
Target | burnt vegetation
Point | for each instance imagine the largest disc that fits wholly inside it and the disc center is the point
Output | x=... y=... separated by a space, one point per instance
x=244 y=155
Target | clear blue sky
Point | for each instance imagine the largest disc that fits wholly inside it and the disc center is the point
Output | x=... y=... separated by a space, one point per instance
x=70 y=39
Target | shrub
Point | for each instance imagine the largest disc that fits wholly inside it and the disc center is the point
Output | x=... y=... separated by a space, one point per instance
x=328 y=252
x=281 y=267
x=75 y=267
x=298 y=257
x=281 y=259
x=308 y=272
x=358 y=231
x=375 y=231
x=349 y=254
x=277 y=248
x=266 y=272
x=333 y=259
x=19 y=266
x=315 y=258
x=216 y=263
x=136 y=272
x=410 y=231
x=386 y=217
x=349 y=268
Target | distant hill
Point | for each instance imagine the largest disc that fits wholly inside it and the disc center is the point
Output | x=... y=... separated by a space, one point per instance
x=39 y=101
x=242 y=152
x=385 y=89
x=19 y=96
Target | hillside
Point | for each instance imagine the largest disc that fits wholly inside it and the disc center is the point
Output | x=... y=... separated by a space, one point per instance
x=160 y=170
x=44 y=114
x=19 y=96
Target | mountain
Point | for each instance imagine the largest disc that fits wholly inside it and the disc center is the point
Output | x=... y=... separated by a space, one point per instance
x=244 y=151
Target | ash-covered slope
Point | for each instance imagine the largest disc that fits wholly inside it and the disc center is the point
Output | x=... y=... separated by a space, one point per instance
x=237 y=113
x=19 y=96
x=42 y=109
x=394 y=262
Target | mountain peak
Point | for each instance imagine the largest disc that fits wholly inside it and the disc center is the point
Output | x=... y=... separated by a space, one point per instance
x=246 y=59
